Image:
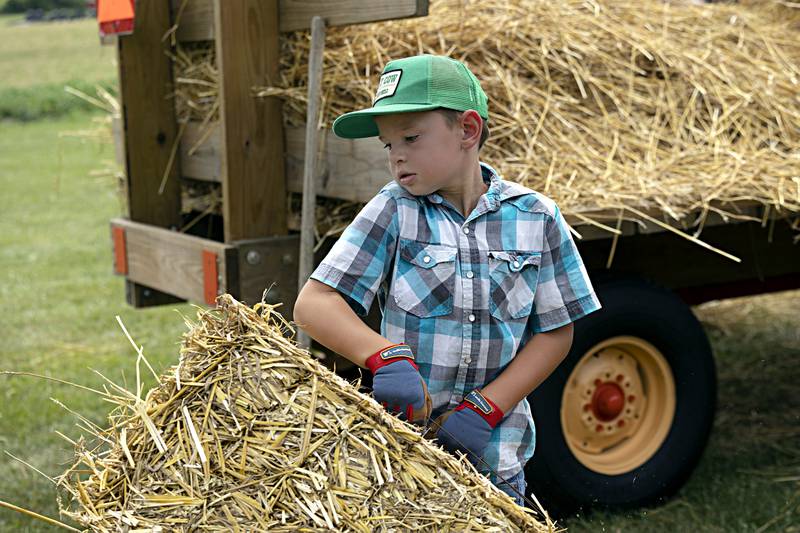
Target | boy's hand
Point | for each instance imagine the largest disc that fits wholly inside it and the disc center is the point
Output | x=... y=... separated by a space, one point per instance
x=468 y=427
x=397 y=385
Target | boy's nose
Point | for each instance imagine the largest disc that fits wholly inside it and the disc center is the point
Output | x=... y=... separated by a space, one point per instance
x=397 y=155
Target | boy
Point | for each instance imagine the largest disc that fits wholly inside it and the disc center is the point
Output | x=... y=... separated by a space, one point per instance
x=477 y=278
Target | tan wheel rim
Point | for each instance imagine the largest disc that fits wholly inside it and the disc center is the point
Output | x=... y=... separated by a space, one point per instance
x=618 y=405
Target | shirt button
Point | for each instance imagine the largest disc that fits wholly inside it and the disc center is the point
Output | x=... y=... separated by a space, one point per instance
x=426 y=259
x=470 y=275
x=471 y=317
x=467 y=359
x=516 y=264
x=466 y=231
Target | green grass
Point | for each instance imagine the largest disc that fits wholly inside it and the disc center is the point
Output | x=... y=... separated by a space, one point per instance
x=59 y=302
x=49 y=101
x=38 y=60
x=52 y=52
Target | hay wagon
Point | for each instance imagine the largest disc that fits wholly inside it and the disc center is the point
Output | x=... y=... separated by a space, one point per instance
x=622 y=421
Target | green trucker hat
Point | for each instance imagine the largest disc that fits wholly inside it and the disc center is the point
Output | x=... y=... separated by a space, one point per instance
x=419 y=83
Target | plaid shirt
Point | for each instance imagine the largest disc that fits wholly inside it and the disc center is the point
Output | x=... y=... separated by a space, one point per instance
x=464 y=293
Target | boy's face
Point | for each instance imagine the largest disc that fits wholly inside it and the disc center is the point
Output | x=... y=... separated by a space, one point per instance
x=425 y=152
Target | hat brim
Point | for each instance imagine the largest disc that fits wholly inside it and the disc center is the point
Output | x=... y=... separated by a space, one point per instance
x=360 y=124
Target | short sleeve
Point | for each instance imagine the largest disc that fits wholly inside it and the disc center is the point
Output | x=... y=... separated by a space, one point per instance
x=360 y=260
x=564 y=292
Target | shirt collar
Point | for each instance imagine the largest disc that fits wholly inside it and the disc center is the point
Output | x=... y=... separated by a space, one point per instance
x=498 y=191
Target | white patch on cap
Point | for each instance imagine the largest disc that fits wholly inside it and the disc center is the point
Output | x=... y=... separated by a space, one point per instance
x=388 y=84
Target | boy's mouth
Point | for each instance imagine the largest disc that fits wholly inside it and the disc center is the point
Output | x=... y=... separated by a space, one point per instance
x=405 y=177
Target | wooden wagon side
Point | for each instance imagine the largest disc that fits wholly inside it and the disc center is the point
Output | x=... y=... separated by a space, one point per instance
x=247 y=151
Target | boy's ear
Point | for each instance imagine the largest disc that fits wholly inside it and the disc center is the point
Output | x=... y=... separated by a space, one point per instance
x=471 y=124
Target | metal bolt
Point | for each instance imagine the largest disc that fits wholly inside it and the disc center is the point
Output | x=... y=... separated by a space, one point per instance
x=253 y=257
x=287 y=259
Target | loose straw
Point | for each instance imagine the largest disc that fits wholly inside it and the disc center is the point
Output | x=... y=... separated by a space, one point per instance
x=261 y=436
x=37 y=516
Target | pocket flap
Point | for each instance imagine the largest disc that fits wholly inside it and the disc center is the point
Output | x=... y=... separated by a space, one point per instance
x=426 y=255
x=517 y=260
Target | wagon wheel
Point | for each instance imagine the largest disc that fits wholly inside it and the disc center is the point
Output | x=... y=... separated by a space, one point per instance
x=624 y=419
x=618 y=405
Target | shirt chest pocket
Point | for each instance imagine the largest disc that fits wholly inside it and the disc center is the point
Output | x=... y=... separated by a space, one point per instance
x=425 y=279
x=513 y=280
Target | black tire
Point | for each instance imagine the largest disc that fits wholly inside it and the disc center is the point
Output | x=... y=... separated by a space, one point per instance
x=656 y=315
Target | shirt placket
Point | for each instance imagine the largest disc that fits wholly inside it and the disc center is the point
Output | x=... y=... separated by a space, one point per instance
x=470 y=318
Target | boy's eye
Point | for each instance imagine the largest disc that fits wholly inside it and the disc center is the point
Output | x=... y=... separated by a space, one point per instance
x=411 y=138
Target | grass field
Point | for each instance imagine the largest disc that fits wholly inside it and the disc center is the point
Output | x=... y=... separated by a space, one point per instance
x=60 y=298
x=38 y=60
x=47 y=53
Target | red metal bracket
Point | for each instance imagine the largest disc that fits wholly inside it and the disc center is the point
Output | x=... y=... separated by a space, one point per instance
x=210 y=277
x=120 y=251
x=115 y=17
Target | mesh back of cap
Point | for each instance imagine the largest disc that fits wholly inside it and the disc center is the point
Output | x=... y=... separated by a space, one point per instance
x=449 y=81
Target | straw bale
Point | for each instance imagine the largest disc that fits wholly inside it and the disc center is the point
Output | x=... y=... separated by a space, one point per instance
x=248 y=432
x=616 y=110
x=606 y=106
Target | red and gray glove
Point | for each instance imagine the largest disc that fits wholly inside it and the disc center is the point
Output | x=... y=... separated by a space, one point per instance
x=468 y=427
x=397 y=384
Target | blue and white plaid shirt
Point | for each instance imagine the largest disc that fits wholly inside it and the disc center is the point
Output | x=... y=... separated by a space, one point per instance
x=464 y=294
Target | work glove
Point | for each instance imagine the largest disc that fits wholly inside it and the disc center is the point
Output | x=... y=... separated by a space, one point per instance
x=397 y=384
x=468 y=427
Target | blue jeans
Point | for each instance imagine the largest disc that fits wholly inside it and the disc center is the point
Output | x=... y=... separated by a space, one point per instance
x=515 y=482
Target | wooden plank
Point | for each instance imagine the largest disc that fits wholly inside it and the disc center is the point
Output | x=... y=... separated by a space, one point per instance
x=197 y=18
x=349 y=169
x=148 y=115
x=253 y=183
x=296 y=14
x=149 y=129
x=357 y=169
x=196 y=22
x=205 y=161
x=172 y=262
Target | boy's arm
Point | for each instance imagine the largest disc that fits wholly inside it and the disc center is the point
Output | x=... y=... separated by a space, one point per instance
x=531 y=366
x=322 y=312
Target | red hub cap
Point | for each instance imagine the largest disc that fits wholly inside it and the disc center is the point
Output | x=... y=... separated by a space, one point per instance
x=608 y=401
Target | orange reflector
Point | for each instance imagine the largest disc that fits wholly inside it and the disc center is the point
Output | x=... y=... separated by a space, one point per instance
x=210 y=281
x=120 y=251
x=115 y=17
